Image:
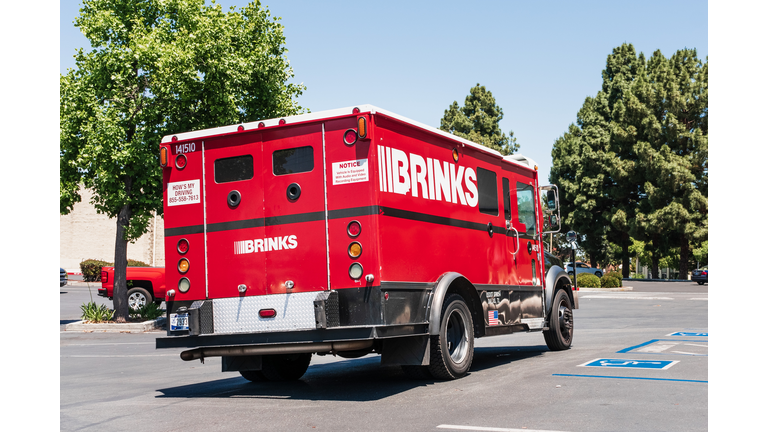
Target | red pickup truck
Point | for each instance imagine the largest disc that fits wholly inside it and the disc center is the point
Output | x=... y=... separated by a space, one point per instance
x=145 y=284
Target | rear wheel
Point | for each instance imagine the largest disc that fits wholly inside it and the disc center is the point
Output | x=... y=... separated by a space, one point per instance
x=285 y=367
x=253 y=376
x=451 y=351
x=701 y=283
x=560 y=333
x=598 y=274
x=138 y=298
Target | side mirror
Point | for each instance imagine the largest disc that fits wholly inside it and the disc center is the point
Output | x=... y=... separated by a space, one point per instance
x=551 y=200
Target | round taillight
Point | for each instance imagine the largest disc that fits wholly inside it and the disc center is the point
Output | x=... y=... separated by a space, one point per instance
x=182 y=246
x=183 y=285
x=350 y=136
x=183 y=265
x=261 y=125
x=282 y=121
x=356 y=271
x=354 y=229
x=355 y=249
x=181 y=161
x=455 y=154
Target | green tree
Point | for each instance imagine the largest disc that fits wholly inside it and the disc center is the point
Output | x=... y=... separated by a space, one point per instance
x=478 y=121
x=635 y=162
x=158 y=67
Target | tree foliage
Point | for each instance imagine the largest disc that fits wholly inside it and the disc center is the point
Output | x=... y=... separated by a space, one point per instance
x=158 y=67
x=478 y=121
x=635 y=162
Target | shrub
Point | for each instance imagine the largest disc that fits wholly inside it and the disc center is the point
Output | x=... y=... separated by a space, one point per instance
x=587 y=280
x=610 y=281
x=94 y=313
x=615 y=274
x=91 y=268
x=149 y=311
x=637 y=276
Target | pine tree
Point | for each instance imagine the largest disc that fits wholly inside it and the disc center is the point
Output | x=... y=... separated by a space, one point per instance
x=478 y=121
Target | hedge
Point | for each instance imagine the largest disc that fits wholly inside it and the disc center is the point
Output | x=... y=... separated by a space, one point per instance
x=91 y=268
x=609 y=281
x=587 y=280
x=615 y=274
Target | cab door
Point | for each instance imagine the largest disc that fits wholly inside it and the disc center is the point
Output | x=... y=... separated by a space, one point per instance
x=526 y=221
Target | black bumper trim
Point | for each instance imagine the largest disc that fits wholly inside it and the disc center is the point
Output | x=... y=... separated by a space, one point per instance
x=337 y=334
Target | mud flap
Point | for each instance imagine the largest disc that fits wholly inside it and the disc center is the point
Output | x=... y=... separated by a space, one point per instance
x=412 y=350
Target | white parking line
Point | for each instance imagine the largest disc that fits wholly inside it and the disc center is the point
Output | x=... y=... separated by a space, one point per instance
x=490 y=429
x=701 y=298
x=621 y=297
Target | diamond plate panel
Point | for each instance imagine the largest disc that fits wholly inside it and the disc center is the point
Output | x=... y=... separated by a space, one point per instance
x=241 y=314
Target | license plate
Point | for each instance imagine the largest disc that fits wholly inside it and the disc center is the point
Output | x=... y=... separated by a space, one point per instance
x=179 y=321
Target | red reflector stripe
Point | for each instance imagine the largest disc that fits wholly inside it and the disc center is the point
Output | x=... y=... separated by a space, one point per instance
x=267 y=313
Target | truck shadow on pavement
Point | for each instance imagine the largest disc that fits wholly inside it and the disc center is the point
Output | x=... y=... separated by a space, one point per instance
x=360 y=380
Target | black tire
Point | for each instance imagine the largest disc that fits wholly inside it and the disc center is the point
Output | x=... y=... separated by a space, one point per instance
x=253 y=376
x=700 y=282
x=138 y=297
x=598 y=274
x=452 y=350
x=417 y=372
x=560 y=334
x=285 y=367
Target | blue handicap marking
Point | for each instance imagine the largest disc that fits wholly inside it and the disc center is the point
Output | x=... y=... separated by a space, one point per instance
x=689 y=334
x=631 y=364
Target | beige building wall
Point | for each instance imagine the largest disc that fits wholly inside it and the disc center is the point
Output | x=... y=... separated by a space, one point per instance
x=85 y=234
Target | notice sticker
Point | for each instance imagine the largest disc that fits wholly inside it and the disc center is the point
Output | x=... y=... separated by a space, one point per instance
x=353 y=171
x=186 y=192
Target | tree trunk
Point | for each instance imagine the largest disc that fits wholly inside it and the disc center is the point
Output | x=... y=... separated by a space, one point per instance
x=625 y=260
x=120 y=294
x=654 y=267
x=684 y=256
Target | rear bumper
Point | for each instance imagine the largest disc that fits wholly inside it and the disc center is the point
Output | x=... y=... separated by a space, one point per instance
x=699 y=278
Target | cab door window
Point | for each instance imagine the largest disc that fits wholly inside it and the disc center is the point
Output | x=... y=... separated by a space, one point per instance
x=525 y=208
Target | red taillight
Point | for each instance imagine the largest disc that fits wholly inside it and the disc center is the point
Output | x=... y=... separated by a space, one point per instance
x=182 y=246
x=354 y=229
x=181 y=161
x=350 y=136
x=104 y=277
x=704 y=272
x=267 y=313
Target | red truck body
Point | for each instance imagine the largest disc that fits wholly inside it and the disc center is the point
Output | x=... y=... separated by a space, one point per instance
x=352 y=225
x=145 y=284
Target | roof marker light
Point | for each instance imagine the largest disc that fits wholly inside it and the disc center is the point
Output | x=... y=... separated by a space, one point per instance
x=174 y=138
x=240 y=128
x=261 y=125
x=282 y=121
x=355 y=110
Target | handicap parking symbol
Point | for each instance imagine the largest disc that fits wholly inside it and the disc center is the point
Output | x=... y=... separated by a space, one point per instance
x=631 y=364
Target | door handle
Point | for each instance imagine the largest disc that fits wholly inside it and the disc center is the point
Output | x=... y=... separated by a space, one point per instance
x=517 y=237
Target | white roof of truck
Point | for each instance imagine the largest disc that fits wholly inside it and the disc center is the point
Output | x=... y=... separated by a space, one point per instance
x=515 y=158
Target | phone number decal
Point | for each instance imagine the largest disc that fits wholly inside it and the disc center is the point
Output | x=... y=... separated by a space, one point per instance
x=186 y=192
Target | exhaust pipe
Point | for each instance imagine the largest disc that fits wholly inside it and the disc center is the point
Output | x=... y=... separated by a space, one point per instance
x=199 y=353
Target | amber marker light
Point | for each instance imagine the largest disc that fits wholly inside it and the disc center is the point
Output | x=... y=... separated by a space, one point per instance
x=455 y=153
x=355 y=249
x=362 y=131
x=183 y=265
x=163 y=157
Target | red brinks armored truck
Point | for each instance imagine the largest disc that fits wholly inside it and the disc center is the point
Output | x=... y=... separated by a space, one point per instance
x=349 y=232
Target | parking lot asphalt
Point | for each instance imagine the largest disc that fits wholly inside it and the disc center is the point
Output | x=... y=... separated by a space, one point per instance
x=639 y=362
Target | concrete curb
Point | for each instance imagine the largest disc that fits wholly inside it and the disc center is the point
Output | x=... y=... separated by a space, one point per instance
x=117 y=328
x=628 y=288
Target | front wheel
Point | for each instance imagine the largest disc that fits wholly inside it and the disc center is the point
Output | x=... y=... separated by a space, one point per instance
x=560 y=333
x=701 y=283
x=451 y=351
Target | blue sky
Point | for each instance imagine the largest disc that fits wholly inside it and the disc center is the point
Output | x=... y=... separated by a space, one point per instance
x=539 y=59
